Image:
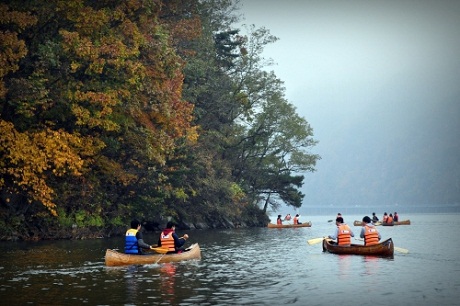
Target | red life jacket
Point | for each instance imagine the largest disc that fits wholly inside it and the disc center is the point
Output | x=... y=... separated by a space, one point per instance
x=296 y=220
x=279 y=221
x=344 y=235
x=371 y=235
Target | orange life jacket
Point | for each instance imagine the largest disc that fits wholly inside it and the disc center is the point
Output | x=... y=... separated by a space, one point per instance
x=296 y=220
x=371 y=235
x=279 y=221
x=384 y=219
x=389 y=220
x=344 y=235
x=167 y=241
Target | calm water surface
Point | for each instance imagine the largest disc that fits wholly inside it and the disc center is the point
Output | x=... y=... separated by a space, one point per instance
x=243 y=267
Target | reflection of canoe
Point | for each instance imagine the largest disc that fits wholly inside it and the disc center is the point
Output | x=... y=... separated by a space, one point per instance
x=114 y=258
x=384 y=248
x=305 y=224
x=404 y=222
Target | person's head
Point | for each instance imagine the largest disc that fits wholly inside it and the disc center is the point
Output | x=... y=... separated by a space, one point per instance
x=373 y=213
x=385 y=214
x=170 y=225
x=339 y=214
x=366 y=219
x=279 y=216
x=391 y=215
x=395 y=213
x=135 y=224
x=339 y=220
x=297 y=215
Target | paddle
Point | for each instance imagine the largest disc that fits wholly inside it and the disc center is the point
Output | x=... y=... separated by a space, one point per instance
x=315 y=240
x=160 y=250
x=401 y=250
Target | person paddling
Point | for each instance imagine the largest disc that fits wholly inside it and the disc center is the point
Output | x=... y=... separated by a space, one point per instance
x=342 y=233
x=169 y=239
x=279 y=221
x=369 y=232
x=296 y=219
x=134 y=241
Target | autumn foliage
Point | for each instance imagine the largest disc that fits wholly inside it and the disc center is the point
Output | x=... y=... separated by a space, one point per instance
x=111 y=110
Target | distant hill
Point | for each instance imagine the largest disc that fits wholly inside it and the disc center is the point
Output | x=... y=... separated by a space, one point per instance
x=403 y=149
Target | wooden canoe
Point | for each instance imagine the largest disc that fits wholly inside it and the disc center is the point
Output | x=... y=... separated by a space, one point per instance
x=384 y=248
x=403 y=222
x=114 y=258
x=305 y=224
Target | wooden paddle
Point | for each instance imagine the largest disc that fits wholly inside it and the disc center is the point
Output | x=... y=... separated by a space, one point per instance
x=160 y=250
x=401 y=250
x=315 y=240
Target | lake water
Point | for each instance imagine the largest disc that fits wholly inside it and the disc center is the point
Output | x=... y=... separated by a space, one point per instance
x=258 y=266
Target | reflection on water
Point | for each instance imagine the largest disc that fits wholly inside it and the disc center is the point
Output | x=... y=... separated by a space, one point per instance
x=167 y=281
x=240 y=267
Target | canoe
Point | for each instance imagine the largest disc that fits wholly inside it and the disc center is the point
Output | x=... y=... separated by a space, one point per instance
x=403 y=222
x=384 y=248
x=359 y=223
x=305 y=224
x=114 y=258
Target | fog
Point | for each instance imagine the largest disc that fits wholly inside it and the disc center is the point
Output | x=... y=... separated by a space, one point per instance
x=379 y=82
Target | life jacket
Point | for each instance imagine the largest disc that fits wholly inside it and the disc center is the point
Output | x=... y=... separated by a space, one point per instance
x=396 y=218
x=167 y=241
x=344 y=235
x=279 y=221
x=131 y=246
x=371 y=235
x=389 y=220
x=296 y=220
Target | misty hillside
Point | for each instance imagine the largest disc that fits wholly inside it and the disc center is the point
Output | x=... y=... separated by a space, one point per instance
x=404 y=149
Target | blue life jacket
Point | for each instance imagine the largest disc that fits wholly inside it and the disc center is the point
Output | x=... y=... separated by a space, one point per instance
x=131 y=246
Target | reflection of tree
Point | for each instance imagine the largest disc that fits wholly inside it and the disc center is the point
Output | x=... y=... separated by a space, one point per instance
x=132 y=284
x=167 y=276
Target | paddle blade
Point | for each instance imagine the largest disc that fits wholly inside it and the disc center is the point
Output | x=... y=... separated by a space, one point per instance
x=315 y=241
x=161 y=250
x=401 y=250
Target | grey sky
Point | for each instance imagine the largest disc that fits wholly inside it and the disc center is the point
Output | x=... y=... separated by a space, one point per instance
x=371 y=65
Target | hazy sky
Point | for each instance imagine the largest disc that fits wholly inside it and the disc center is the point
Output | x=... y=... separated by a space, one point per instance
x=340 y=60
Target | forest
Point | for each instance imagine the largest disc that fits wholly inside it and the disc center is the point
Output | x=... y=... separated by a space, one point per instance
x=147 y=109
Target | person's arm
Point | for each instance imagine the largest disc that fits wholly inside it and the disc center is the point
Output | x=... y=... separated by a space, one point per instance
x=178 y=242
x=362 y=233
x=336 y=233
x=140 y=241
